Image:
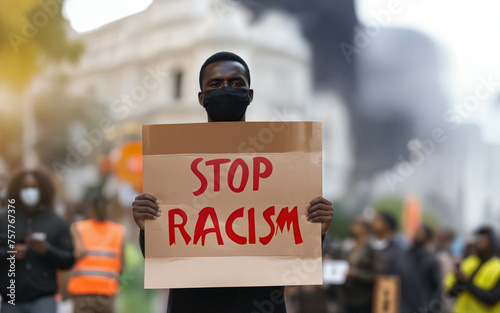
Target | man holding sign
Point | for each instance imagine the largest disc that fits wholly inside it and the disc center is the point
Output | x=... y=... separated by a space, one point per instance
x=225 y=94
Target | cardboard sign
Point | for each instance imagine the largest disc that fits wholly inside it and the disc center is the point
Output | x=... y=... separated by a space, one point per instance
x=335 y=271
x=233 y=199
x=386 y=294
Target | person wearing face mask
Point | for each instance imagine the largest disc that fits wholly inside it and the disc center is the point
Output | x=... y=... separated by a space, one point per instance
x=43 y=244
x=225 y=95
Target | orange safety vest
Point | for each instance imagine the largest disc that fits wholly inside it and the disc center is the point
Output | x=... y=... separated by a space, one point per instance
x=98 y=271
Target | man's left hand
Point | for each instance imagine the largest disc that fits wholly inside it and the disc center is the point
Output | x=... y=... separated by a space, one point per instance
x=320 y=210
x=461 y=277
x=38 y=245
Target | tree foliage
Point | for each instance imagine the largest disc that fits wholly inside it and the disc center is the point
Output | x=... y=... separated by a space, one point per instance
x=31 y=34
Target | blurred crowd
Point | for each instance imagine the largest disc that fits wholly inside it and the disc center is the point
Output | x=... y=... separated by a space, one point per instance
x=390 y=273
x=79 y=262
x=46 y=258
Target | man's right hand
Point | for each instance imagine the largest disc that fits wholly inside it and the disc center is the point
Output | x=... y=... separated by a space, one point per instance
x=21 y=249
x=461 y=277
x=145 y=206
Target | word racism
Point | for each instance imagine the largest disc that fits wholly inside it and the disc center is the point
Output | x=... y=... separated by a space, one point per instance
x=285 y=218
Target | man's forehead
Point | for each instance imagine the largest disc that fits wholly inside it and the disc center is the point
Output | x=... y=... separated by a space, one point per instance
x=223 y=68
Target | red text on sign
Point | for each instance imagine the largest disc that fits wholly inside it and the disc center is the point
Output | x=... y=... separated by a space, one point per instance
x=285 y=218
x=261 y=168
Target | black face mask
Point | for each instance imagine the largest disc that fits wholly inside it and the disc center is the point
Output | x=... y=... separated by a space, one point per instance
x=226 y=104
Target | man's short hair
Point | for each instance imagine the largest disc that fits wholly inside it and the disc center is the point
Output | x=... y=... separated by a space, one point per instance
x=485 y=230
x=490 y=232
x=389 y=220
x=224 y=56
x=99 y=205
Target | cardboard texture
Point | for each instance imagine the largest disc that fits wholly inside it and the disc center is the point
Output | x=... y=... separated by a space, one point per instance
x=233 y=198
x=386 y=294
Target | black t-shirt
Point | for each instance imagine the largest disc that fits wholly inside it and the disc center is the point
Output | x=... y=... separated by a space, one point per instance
x=225 y=300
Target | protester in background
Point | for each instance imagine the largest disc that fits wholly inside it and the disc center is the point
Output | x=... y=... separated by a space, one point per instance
x=476 y=283
x=384 y=225
x=42 y=242
x=394 y=259
x=426 y=288
x=444 y=240
x=365 y=264
x=94 y=280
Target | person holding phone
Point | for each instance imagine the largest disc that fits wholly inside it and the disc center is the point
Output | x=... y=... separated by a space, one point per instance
x=43 y=244
x=476 y=282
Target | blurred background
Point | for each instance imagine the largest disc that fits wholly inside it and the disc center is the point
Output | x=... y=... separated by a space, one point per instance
x=409 y=93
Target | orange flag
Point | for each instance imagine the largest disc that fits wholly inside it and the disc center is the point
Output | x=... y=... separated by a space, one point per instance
x=411 y=217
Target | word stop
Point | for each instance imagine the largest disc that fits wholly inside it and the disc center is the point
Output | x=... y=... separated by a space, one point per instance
x=262 y=168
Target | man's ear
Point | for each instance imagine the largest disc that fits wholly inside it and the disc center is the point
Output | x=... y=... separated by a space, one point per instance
x=200 y=98
x=250 y=94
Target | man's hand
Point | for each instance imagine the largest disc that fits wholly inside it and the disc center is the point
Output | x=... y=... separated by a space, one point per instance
x=145 y=206
x=461 y=277
x=320 y=210
x=21 y=249
x=38 y=245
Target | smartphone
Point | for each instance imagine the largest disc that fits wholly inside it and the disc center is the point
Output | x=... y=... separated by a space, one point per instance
x=39 y=235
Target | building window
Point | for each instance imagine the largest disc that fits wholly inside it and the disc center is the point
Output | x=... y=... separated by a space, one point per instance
x=178 y=85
